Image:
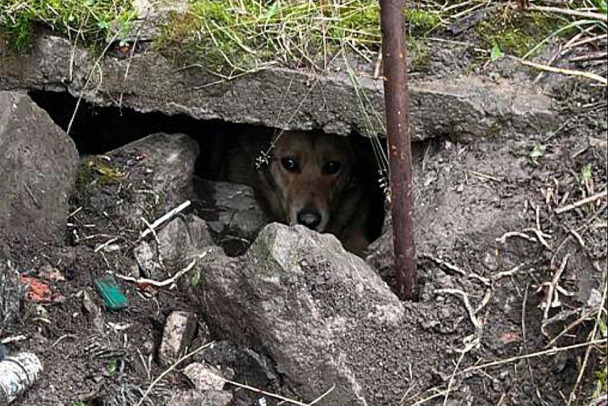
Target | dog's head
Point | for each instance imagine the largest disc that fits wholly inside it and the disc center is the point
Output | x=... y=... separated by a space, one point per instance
x=308 y=175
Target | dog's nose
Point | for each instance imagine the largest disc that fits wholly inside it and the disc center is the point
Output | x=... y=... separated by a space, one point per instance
x=309 y=218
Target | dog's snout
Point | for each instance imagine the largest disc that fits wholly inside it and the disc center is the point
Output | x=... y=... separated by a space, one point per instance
x=309 y=218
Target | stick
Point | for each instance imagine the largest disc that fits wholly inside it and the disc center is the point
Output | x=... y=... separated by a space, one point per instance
x=467 y=305
x=570 y=72
x=576 y=13
x=533 y=355
x=165 y=218
x=552 y=286
x=580 y=203
x=171 y=368
x=166 y=282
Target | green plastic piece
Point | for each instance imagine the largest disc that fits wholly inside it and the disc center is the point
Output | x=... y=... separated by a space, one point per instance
x=111 y=292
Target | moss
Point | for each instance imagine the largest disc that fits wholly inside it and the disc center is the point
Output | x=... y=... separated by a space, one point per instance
x=515 y=33
x=93 y=21
x=420 y=22
x=420 y=54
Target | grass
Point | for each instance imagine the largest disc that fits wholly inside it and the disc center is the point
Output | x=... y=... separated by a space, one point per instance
x=89 y=21
x=230 y=37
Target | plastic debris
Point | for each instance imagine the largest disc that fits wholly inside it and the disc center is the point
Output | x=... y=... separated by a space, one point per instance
x=111 y=293
x=17 y=374
x=40 y=292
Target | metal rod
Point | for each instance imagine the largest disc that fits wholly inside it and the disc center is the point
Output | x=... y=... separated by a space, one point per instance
x=392 y=22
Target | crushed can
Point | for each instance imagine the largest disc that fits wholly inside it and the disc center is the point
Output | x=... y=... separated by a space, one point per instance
x=17 y=374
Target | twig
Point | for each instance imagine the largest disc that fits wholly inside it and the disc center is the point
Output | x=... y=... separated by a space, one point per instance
x=105 y=244
x=13 y=339
x=551 y=351
x=165 y=218
x=467 y=305
x=552 y=286
x=166 y=282
x=572 y=325
x=273 y=395
x=445 y=264
x=588 y=351
x=576 y=13
x=503 y=238
x=540 y=236
x=171 y=368
x=569 y=72
x=510 y=272
x=580 y=203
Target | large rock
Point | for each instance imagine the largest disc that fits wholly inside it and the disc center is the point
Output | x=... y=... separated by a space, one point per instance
x=231 y=211
x=37 y=168
x=467 y=105
x=320 y=313
x=177 y=243
x=141 y=180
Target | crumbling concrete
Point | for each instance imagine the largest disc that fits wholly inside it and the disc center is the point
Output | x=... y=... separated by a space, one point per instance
x=277 y=97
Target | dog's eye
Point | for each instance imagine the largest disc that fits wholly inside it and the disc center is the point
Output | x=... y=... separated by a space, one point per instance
x=291 y=164
x=331 y=168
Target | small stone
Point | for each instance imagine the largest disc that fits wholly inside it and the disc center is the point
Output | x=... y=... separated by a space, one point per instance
x=177 y=335
x=196 y=398
x=204 y=377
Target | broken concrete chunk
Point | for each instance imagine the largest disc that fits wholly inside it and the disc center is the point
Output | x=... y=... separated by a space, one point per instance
x=179 y=331
x=140 y=181
x=180 y=241
x=204 y=377
x=231 y=211
x=152 y=17
x=468 y=105
x=37 y=169
x=196 y=398
x=320 y=313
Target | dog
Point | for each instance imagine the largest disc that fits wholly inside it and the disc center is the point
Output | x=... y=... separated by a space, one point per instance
x=305 y=178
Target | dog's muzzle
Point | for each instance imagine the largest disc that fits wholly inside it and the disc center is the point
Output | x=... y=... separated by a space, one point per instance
x=309 y=218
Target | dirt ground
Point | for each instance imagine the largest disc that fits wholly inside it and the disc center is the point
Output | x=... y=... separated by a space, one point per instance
x=83 y=366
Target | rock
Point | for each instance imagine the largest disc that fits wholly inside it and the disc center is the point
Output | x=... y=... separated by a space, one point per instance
x=37 y=169
x=151 y=17
x=467 y=105
x=320 y=313
x=196 y=398
x=180 y=240
x=204 y=377
x=179 y=331
x=94 y=311
x=143 y=179
x=231 y=211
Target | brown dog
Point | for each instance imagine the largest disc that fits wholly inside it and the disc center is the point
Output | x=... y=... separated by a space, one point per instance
x=306 y=178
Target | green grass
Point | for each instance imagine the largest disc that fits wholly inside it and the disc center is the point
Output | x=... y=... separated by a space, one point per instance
x=230 y=37
x=89 y=21
x=516 y=33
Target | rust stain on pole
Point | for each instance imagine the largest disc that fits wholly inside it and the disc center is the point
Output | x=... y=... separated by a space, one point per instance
x=400 y=154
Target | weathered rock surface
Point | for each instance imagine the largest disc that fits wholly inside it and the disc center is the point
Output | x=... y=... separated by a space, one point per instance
x=469 y=105
x=37 y=169
x=152 y=16
x=204 y=377
x=320 y=313
x=230 y=210
x=196 y=398
x=177 y=243
x=178 y=333
x=143 y=179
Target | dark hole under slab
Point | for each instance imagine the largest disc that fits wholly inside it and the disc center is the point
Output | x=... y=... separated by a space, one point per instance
x=98 y=130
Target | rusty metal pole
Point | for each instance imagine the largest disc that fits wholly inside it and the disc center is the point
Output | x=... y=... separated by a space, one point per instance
x=392 y=22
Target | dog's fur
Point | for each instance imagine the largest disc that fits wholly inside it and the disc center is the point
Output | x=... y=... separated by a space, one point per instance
x=310 y=193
